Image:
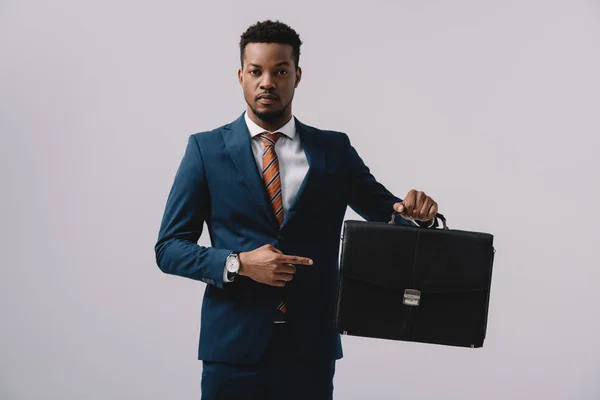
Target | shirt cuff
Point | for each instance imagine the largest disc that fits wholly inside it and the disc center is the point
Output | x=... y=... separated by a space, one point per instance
x=225 y=280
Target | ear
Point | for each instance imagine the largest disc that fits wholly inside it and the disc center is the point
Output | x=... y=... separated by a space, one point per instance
x=298 y=76
x=240 y=76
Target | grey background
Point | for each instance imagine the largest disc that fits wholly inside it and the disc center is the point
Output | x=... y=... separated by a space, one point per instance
x=492 y=108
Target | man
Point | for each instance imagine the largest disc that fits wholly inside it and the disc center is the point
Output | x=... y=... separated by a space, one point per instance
x=273 y=193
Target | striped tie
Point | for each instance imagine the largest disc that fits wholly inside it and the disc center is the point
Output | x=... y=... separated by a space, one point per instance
x=271 y=175
x=272 y=180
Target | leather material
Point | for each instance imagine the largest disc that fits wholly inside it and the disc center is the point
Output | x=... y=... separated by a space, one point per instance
x=452 y=269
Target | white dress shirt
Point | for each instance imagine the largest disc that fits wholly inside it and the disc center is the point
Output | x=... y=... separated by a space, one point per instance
x=293 y=164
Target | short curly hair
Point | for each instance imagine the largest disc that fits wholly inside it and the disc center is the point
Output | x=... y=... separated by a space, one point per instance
x=271 y=32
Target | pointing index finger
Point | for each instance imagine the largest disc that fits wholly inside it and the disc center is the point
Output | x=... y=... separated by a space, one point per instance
x=296 y=260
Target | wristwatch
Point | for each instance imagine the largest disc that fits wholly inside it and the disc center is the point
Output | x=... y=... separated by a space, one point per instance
x=232 y=264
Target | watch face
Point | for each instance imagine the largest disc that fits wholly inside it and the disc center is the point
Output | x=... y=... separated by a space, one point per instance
x=232 y=264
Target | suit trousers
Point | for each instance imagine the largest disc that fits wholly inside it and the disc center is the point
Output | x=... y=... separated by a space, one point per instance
x=280 y=374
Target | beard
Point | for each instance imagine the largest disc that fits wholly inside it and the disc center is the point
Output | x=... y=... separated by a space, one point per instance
x=270 y=116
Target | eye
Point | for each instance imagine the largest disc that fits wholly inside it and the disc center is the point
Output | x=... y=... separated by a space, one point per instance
x=282 y=72
x=254 y=72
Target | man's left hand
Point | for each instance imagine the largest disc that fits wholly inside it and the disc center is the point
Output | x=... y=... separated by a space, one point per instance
x=417 y=206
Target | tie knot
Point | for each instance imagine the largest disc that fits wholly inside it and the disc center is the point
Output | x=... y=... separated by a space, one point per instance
x=269 y=139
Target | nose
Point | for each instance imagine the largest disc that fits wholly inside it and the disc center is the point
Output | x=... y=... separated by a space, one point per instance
x=267 y=82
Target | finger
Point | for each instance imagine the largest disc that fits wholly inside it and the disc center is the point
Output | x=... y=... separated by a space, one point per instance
x=408 y=207
x=283 y=277
x=277 y=283
x=285 y=269
x=276 y=250
x=295 y=260
x=425 y=208
x=432 y=211
x=399 y=207
x=420 y=199
x=409 y=202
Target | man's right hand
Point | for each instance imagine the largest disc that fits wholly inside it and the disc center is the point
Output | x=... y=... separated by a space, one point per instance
x=269 y=265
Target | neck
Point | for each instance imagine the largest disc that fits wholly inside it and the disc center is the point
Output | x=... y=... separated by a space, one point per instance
x=270 y=126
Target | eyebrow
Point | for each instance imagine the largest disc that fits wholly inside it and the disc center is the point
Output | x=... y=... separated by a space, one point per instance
x=277 y=65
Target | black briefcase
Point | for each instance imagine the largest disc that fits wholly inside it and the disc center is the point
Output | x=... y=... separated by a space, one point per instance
x=414 y=284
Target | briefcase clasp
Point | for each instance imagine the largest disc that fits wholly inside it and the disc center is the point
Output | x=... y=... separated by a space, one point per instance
x=412 y=297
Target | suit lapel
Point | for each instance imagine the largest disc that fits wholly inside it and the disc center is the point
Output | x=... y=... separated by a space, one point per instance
x=237 y=141
x=316 y=162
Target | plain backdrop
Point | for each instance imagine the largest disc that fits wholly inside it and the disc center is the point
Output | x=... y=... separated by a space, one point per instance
x=490 y=107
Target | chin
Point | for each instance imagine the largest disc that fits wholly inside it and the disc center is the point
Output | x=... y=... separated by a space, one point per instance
x=266 y=109
x=268 y=114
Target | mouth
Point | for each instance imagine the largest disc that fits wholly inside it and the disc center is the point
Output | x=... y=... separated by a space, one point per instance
x=267 y=99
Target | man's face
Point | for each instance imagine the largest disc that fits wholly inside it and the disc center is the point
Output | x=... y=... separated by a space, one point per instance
x=269 y=78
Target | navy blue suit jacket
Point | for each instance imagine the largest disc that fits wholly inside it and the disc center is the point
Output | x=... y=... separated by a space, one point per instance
x=218 y=182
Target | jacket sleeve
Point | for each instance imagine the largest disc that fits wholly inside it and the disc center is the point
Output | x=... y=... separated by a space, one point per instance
x=187 y=208
x=369 y=198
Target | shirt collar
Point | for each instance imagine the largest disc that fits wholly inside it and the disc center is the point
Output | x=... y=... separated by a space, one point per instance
x=289 y=129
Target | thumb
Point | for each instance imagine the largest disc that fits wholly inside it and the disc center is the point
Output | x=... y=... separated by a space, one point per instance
x=276 y=250
x=399 y=207
x=272 y=248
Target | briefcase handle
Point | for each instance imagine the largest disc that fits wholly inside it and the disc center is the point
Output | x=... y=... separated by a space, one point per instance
x=438 y=216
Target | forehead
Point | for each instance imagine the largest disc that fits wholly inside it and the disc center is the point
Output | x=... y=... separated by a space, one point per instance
x=268 y=54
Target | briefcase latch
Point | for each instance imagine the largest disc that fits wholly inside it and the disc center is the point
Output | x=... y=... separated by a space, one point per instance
x=412 y=297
